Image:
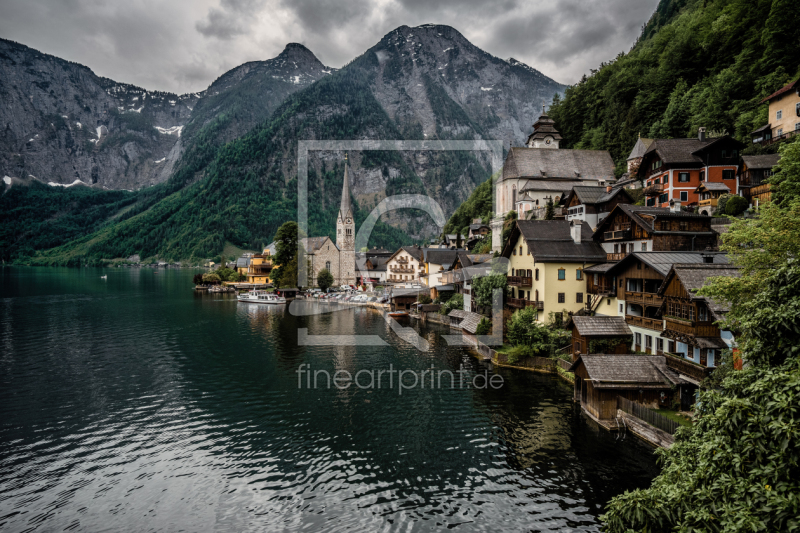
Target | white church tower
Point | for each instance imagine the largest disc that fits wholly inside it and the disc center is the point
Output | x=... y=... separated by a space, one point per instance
x=346 y=234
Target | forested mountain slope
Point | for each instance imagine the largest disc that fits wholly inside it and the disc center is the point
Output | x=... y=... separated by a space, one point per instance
x=698 y=63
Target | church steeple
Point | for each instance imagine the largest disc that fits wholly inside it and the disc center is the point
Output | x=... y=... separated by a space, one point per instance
x=346 y=208
x=345 y=225
x=544 y=133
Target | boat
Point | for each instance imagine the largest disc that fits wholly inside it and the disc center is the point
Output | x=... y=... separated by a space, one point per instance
x=261 y=297
x=398 y=314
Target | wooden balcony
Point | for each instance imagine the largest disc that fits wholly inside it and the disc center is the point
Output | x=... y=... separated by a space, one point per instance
x=401 y=270
x=655 y=324
x=778 y=138
x=643 y=298
x=520 y=304
x=691 y=327
x=520 y=281
x=602 y=290
x=680 y=364
x=616 y=256
x=618 y=235
x=709 y=202
x=654 y=190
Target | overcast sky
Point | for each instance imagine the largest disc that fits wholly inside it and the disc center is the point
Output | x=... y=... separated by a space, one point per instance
x=183 y=45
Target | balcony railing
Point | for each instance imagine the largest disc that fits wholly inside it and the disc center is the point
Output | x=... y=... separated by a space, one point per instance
x=618 y=235
x=654 y=190
x=709 y=202
x=643 y=322
x=778 y=138
x=686 y=367
x=520 y=281
x=691 y=327
x=402 y=270
x=616 y=256
x=603 y=290
x=520 y=304
x=644 y=298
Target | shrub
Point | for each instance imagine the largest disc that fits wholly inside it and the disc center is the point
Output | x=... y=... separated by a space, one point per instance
x=325 y=279
x=211 y=278
x=425 y=299
x=484 y=327
x=518 y=352
x=722 y=203
x=736 y=205
x=197 y=279
x=455 y=302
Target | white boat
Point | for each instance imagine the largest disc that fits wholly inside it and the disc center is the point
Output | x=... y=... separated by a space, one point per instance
x=261 y=297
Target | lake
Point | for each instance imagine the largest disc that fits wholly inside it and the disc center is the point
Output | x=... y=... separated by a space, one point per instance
x=134 y=403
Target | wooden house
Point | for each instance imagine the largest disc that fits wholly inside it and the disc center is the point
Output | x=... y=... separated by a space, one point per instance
x=465 y=267
x=708 y=194
x=599 y=334
x=754 y=175
x=690 y=319
x=672 y=169
x=592 y=204
x=634 y=228
x=644 y=379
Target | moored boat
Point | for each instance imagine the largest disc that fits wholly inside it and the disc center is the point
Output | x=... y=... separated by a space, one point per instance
x=261 y=297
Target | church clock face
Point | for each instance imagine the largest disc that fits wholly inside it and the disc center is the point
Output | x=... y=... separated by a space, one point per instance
x=348 y=221
x=548 y=140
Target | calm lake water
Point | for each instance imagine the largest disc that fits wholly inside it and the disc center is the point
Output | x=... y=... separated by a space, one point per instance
x=134 y=404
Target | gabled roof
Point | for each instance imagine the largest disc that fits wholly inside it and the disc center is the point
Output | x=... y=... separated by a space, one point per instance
x=662 y=262
x=550 y=241
x=712 y=186
x=312 y=244
x=524 y=162
x=645 y=216
x=640 y=147
x=628 y=371
x=543 y=127
x=413 y=251
x=783 y=90
x=592 y=195
x=605 y=326
x=470 y=322
x=688 y=151
x=761 y=129
x=458 y=314
x=439 y=256
x=694 y=276
x=761 y=161
x=243 y=262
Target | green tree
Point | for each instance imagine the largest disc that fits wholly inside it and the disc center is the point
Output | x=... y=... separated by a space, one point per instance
x=324 y=279
x=484 y=327
x=785 y=183
x=455 y=302
x=484 y=286
x=736 y=205
x=550 y=212
x=211 y=278
x=523 y=329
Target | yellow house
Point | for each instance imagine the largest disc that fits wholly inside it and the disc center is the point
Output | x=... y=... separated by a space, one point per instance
x=546 y=262
x=784 y=115
x=259 y=268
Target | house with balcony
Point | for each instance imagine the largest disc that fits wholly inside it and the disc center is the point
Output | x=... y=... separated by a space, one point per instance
x=691 y=320
x=708 y=193
x=629 y=289
x=672 y=169
x=259 y=268
x=784 y=115
x=592 y=204
x=634 y=228
x=405 y=265
x=465 y=268
x=599 y=334
x=436 y=262
x=546 y=262
x=754 y=175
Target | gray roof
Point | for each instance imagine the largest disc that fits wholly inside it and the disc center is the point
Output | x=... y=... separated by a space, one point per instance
x=714 y=186
x=243 y=262
x=550 y=241
x=458 y=313
x=628 y=371
x=312 y=244
x=604 y=326
x=345 y=208
x=645 y=216
x=674 y=151
x=543 y=127
x=602 y=268
x=439 y=256
x=662 y=262
x=694 y=276
x=414 y=251
x=470 y=322
x=591 y=194
x=640 y=147
x=558 y=163
x=761 y=161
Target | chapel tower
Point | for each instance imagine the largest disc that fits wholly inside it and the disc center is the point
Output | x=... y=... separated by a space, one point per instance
x=346 y=234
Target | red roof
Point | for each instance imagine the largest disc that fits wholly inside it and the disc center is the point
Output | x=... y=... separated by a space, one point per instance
x=786 y=88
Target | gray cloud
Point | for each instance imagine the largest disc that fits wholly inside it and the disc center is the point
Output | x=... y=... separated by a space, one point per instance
x=183 y=45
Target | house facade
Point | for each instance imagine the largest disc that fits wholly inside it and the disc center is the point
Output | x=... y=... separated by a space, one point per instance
x=546 y=262
x=784 y=115
x=259 y=268
x=592 y=204
x=672 y=169
x=754 y=175
x=405 y=265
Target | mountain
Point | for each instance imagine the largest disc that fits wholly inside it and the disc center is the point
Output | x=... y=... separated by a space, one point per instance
x=64 y=123
x=697 y=63
x=427 y=82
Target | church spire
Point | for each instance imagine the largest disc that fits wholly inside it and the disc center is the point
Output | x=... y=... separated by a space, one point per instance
x=345 y=208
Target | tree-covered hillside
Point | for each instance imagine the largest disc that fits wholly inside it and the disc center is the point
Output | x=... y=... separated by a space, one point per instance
x=698 y=63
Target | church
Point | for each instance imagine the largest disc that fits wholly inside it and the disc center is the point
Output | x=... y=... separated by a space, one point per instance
x=540 y=172
x=339 y=257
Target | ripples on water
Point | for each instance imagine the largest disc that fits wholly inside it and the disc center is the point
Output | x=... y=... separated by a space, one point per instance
x=134 y=404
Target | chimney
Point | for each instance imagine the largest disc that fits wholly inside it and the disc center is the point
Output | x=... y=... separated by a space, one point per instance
x=701 y=134
x=575 y=230
x=675 y=206
x=608 y=188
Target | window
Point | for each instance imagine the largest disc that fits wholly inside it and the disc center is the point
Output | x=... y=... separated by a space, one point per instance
x=620 y=282
x=663 y=198
x=520 y=250
x=684 y=196
x=728 y=174
x=797 y=109
x=778 y=115
x=651 y=202
x=702 y=314
x=536 y=272
x=578 y=274
x=562 y=297
x=779 y=132
x=659 y=344
x=702 y=175
x=514 y=251
x=797 y=126
x=683 y=177
x=665 y=225
x=644 y=246
x=562 y=274
x=621 y=310
x=595 y=279
x=683 y=225
x=579 y=298
x=691 y=312
x=328 y=266
x=638 y=340
x=648 y=342
x=671 y=346
x=724 y=154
